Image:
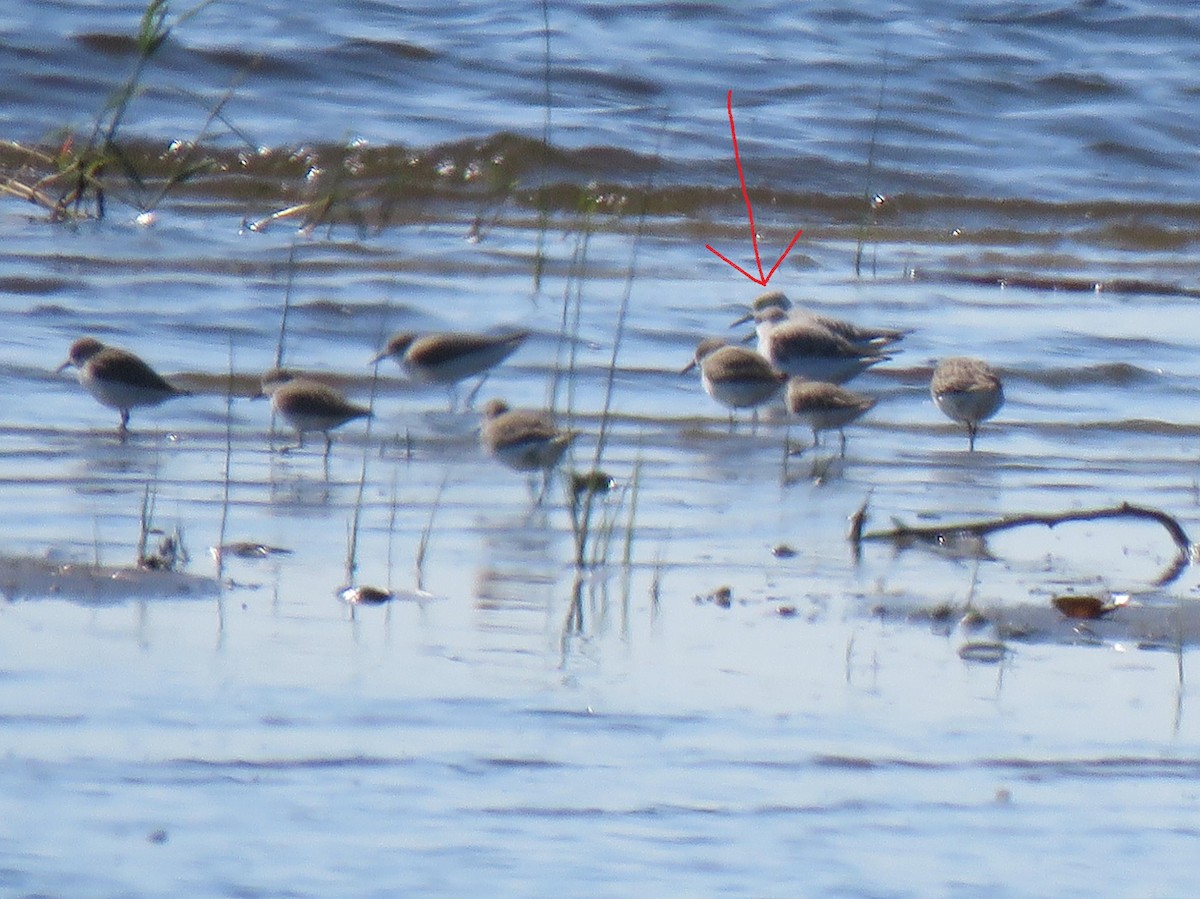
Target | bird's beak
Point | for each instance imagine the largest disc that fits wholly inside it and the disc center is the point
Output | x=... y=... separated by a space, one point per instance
x=688 y=367
x=749 y=337
x=63 y=367
x=749 y=316
x=378 y=357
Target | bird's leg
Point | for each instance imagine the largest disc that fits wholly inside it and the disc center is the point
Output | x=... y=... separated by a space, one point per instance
x=787 y=451
x=793 y=449
x=475 y=390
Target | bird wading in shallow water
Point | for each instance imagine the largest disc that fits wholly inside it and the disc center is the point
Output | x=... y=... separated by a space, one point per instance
x=447 y=358
x=522 y=439
x=734 y=376
x=826 y=406
x=810 y=350
x=117 y=378
x=968 y=391
x=861 y=336
x=308 y=405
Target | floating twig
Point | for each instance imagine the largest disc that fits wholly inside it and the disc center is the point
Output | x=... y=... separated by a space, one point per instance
x=857 y=522
x=903 y=534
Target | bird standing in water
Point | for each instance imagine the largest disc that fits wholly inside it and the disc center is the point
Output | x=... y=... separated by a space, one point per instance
x=309 y=405
x=967 y=390
x=117 y=378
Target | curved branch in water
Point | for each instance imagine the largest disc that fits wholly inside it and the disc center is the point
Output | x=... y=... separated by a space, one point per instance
x=940 y=532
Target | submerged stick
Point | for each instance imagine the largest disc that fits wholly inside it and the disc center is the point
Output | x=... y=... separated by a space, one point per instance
x=902 y=533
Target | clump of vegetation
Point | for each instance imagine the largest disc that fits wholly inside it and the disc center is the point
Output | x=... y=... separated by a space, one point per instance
x=169 y=554
x=74 y=181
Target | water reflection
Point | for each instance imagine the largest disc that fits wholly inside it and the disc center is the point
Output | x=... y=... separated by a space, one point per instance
x=105 y=460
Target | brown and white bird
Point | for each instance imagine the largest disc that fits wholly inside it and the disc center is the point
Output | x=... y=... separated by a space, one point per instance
x=117 y=378
x=826 y=406
x=862 y=336
x=808 y=349
x=523 y=439
x=308 y=405
x=734 y=376
x=967 y=390
x=449 y=357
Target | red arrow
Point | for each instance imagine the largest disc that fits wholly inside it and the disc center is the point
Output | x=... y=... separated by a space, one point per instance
x=761 y=279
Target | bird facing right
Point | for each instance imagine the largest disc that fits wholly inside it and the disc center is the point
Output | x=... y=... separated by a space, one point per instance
x=522 y=439
x=968 y=391
x=308 y=405
x=826 y=406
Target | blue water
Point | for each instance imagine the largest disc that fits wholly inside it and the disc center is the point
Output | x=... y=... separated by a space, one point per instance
x=1062 y=101
x=502 y=727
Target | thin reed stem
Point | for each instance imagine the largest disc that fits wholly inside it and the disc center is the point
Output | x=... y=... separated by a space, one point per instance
x=427 y=533
x=352 y=543
x=868 y=199
x=220 y=554
x=635 y=485
x=287 y=305
x=581 y=533
x=539 y=251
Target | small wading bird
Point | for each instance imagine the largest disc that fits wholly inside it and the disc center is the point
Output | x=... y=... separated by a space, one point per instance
x=734 y=376
x=449 y=357
x=523 y=439
x=308 y=405
x=805 y=348
x=860 y=336
x=117 y=378
x=826 y=406
x=967 y=390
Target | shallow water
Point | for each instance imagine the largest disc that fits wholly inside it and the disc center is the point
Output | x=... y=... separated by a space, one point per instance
x=506 y=724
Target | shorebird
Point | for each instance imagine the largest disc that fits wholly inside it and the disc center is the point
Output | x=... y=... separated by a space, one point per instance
x=967 y=390
x=734 y=376
x=118 y=378
x=825 y=406
x=522 y=439
x=308 y=405
x=810 y=350
x=449 y=357
x=861 y=336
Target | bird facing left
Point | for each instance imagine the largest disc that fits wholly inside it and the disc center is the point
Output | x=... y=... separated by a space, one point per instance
x=117 y=378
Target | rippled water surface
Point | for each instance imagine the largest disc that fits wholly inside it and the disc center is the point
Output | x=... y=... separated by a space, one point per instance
x=727 y=698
